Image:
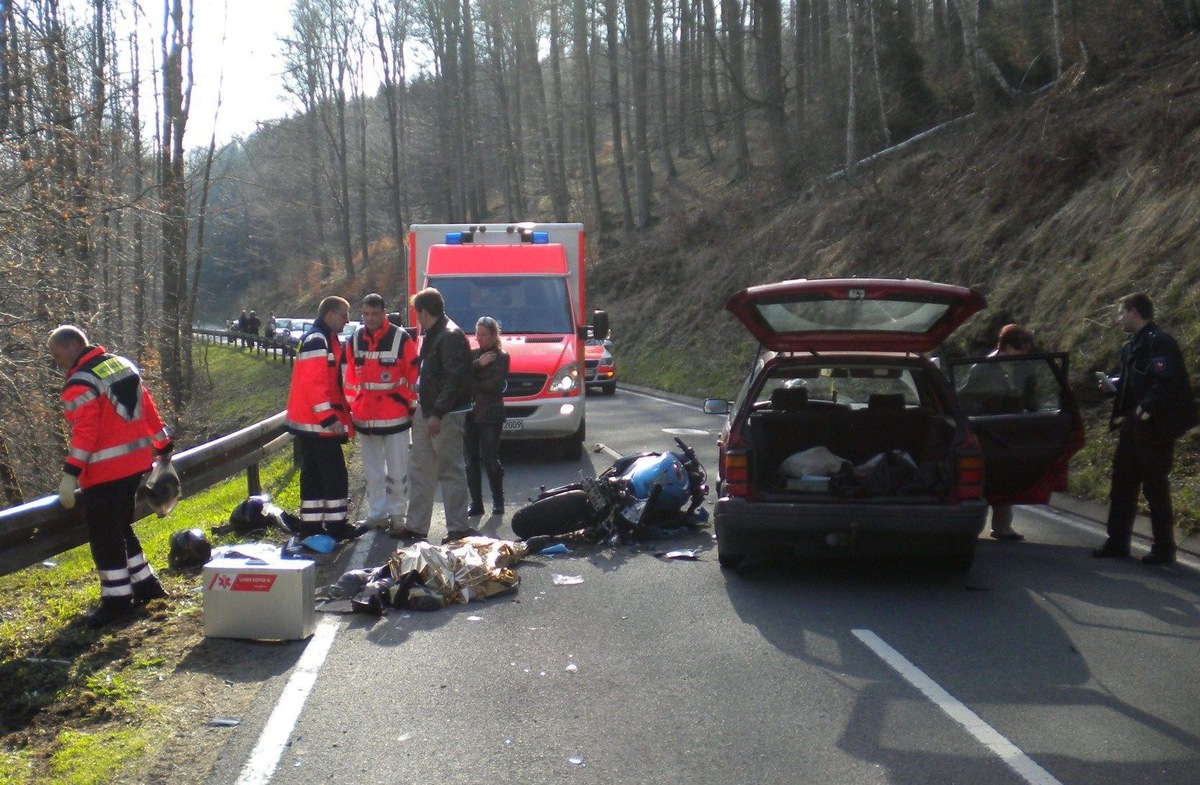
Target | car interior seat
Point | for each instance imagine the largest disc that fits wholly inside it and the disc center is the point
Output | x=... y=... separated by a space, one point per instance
x=789 y=399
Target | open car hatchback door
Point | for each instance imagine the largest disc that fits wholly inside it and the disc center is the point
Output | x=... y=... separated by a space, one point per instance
x=854 y=314
x=1023 y=412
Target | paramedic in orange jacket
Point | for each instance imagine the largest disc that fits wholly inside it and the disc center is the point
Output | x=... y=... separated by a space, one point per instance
x=381 y=378
x=115 y=434
x=317 y=415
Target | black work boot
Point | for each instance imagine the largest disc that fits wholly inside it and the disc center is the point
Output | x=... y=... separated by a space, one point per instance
x=111 y=609
x=147 y=590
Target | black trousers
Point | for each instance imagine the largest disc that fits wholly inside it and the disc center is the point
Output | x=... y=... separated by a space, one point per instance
x=116 y=550
x=324 y=482
x=481 y=448
x=1141 y=463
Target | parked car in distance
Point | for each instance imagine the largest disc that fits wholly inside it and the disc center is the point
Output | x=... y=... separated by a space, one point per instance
x=600 y=365
x=348 y=331
x=298 y=328
x=845 y=439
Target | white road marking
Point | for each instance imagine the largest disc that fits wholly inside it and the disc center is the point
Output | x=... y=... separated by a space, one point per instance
x=265 y=757
x=691 y=406
x=988 y=736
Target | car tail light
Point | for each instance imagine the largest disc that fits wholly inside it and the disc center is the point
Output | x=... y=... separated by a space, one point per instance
x=968 y=469
x=737 y=473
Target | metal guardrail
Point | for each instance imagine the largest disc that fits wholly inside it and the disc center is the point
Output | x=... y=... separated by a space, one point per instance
x=272 y=347
x=40 y=529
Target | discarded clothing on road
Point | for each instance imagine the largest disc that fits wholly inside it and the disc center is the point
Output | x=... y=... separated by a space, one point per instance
x=425 y=577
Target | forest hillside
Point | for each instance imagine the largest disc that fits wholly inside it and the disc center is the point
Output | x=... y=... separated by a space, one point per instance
x=1053 y=209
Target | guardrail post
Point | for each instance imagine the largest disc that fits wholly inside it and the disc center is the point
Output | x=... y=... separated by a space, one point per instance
x=253 y=481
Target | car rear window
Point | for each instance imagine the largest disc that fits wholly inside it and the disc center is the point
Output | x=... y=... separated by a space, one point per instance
x=853 y=315
x=854 y=386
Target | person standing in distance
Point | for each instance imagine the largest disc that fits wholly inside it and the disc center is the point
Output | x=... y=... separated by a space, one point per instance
x=317 y=415
x=381 y=387
x=444 y=397
x=481 y=438
x=1014 y=340
x=1153 y=407
x=115 y=433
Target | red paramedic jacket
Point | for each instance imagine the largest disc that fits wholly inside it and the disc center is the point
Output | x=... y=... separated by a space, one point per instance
x=315 y=400
x=381 y=379
x=115 y=426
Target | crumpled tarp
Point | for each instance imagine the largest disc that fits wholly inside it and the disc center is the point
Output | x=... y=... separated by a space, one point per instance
x=424 y=576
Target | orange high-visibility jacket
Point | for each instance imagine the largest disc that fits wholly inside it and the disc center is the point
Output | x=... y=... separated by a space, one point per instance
x=115 y=426
x=381 y=379
x=315 y=400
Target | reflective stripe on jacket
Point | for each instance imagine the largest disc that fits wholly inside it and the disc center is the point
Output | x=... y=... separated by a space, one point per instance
x=115 y=426
x=381 y=378
x=315 y=400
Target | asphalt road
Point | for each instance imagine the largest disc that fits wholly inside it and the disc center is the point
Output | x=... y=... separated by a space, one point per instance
x=1041 y=665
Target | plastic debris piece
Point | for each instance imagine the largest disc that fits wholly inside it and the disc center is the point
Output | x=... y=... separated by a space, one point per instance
x=321 y=543
x=684 y=554
x=572 y=668
x=567 y=580
x=404 y=737
x=49 y=563
x=554 y=549
x=474 y=618
x=224 y=722
x=576 y=760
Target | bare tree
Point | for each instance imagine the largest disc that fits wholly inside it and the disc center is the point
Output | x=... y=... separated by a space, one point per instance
x=614 y=104
x=587 y=125
x=177 y=98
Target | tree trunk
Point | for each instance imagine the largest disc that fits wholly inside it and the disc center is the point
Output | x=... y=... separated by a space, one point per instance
x=583 y=76
x=851 y=92
x=176 y=50
x=731 y=19
x=770 y=61
x=883 y=112
x=614 y=97
x=665 y=133
x=391 y=55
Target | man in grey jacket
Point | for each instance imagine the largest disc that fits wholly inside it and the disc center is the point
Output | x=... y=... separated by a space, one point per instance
x=444 y=398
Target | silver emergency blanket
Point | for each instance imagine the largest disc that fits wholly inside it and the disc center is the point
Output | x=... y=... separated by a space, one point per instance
x=424 y=576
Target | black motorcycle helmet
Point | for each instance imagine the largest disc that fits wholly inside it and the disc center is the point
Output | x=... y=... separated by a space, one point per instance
x=189 y=548
x=256 y=513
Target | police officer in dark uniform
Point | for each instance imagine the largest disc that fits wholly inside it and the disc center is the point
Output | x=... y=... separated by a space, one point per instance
x=1154 y=406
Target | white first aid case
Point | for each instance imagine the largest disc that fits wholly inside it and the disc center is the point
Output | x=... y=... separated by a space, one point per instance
x=256 y=599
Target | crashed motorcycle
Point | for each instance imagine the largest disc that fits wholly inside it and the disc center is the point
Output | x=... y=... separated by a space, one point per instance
x=632 y=498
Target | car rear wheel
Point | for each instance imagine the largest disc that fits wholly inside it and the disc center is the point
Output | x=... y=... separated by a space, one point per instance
x=609 y=389
x=728 y=560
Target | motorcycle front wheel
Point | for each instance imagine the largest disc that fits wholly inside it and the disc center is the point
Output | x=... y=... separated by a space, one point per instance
x=561 y=513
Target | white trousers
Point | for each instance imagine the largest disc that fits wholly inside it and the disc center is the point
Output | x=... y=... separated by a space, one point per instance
x=437 y=461
x=385 y=466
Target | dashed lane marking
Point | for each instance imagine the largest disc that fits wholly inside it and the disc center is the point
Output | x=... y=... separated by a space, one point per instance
x=1013 y=757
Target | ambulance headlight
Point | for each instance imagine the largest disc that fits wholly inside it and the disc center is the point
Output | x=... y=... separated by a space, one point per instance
x=566 y=380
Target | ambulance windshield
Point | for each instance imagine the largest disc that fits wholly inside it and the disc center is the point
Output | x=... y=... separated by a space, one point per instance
x=523 y=305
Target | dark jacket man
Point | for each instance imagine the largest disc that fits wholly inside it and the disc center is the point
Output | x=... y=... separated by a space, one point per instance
x=1154 y=407
x=445 y=378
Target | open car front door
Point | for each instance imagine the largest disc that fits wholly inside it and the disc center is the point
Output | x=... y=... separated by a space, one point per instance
x=1025 y=416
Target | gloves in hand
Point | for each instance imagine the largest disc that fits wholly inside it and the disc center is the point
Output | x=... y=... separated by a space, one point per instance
x=66 y=491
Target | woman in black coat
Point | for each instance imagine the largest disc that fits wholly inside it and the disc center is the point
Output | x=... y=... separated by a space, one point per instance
x=481 y=436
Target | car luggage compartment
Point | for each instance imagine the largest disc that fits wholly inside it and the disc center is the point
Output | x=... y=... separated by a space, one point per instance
x=792 y=424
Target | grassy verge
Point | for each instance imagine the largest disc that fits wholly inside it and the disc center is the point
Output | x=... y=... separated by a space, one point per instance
x=74 y=703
